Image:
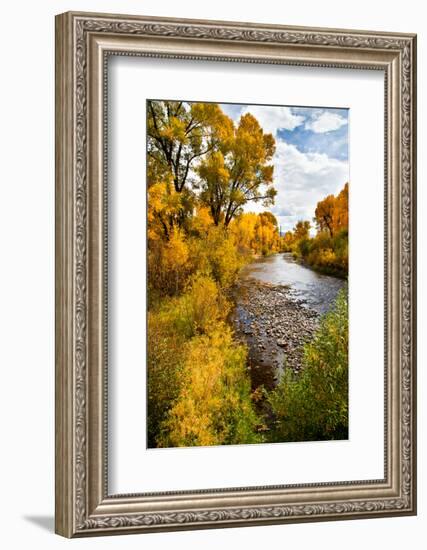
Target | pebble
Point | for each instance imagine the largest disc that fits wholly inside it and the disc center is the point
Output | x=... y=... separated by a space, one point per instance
x=274 y=325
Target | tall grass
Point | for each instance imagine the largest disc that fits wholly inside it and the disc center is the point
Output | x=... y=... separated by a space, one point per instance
x=199 y=390
x=313 y=405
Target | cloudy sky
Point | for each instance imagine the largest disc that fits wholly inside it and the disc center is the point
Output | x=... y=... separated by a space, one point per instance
x=311 y=159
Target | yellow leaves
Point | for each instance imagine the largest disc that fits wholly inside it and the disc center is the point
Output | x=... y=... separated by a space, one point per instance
x=243 y=228
x=326 y=257
x=332 y=212
x=165 y=207
x=168 y=262
x=328 y=250
x=175 y=130
x=231 y=161
x=179 y=133
x=235 y=170
x=251 y=142
x=211 y=114
x=256 y=233
x=198 y=387
x=340 y=214
x=203 y=304
x=213 y=169
x=269 y=145
x=302 y=230
x=267 y=173
x=202 y=221
x=216 y=253
x=175 y=251
x=162 y=198
x=190 y=420
x=208 y=408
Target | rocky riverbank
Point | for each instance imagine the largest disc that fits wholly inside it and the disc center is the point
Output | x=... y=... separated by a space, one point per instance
x=274 y=325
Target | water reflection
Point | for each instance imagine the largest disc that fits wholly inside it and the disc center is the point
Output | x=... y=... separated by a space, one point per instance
x=314 y=290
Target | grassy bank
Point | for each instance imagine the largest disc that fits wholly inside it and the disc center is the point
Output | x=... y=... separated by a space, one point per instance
x=199 y=390
x=313 y=404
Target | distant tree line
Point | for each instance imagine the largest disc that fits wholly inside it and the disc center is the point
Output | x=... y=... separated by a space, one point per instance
x=327 y=251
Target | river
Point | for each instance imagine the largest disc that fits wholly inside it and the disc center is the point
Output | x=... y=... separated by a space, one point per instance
x=278 y=305
x=314 y=290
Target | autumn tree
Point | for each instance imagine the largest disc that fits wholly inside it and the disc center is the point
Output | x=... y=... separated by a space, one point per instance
x=166 y=209
x=287 y=241
x=301 y=230
x=331 y=213
x=268 y=218
x=267 y=233
x=340 y=213
x=328 y=250
x=179 y=133
x=239 y=171
x=324 y=214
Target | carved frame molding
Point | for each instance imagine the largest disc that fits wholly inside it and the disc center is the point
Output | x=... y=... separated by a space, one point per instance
x=83 y=43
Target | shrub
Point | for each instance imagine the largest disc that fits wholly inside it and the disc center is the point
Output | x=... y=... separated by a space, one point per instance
x=214 y=406
x=168 y=265
x=216 y=254
x=313 y=405
x=164 y=363
x=304 y=246
x=327 y=254
x=179 y=319
x=202 y=306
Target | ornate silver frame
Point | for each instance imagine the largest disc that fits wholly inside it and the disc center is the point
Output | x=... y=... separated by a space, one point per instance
x=83 y=42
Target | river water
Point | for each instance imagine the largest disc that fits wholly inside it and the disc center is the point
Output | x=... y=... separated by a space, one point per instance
x=278 y=303
x=312 y=289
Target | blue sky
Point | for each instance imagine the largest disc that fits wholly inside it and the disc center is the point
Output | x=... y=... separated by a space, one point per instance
x=311 y=159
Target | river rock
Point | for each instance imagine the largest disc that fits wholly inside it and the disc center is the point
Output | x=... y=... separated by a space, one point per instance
x=274 y=325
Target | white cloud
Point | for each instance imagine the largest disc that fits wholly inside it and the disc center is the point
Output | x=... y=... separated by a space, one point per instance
x=325 y=122
x=302 y=180
x=232 y=110
x=273 y=119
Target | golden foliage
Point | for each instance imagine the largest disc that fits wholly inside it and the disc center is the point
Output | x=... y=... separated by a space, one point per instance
x=214 y=405
x=328 y=250
x=202 y=169
x=238 y=171
x=332 y=212
x=198 y=387
x=180 y=133
x=216 y=253
x=201 y=222
x=168 y=263
x=256 y=233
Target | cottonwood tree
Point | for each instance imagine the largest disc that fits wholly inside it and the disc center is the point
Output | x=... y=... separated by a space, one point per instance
x=180 y=133
x=331 y=213
x=301 y=230
x=340 y=214
x=238 y=170
x=323 y=214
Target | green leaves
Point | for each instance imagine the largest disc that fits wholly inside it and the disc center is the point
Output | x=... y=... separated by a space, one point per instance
x=313 y=405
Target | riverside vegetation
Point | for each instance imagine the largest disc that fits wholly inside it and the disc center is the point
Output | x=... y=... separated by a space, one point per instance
x=202 y=170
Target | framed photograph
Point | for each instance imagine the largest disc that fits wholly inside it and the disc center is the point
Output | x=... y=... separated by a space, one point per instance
x=235 y=274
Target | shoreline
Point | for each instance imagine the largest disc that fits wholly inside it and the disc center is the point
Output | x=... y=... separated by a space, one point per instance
x=338 y=274
x=274 y=326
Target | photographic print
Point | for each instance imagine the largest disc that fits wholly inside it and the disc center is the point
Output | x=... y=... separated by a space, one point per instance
x=247 y=273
